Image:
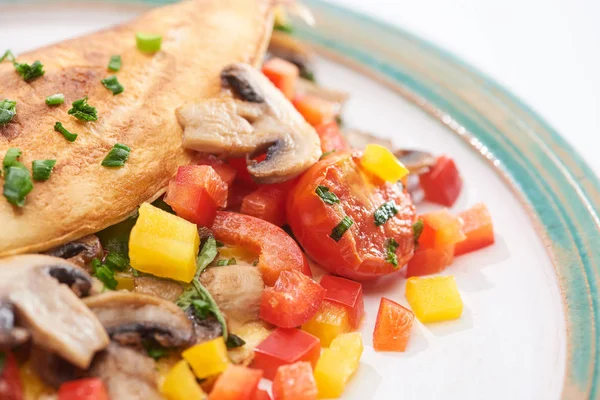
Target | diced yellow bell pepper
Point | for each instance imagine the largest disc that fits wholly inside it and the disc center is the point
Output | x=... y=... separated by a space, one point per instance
x=328 y=323
x=208 y=358
x=33 y=387
x=180 y=384
x=163 y=244
x=434 y=299
x=125 y=282
x=337 y=364
x=381 y=162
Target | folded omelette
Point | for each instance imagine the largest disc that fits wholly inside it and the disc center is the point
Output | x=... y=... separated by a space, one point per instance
x=199 y=38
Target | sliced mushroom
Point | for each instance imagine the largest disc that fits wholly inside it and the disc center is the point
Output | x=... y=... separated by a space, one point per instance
x=80 y=252
x=129 y=318
x=205 y=329
x=163 y=288
x=54 y=316
x=291 y=49
x=10 y=335
x=259 y=120
x=237 y=290
x=51 y=368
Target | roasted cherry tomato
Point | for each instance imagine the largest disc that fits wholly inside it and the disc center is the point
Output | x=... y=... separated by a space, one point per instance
x=266 y=203
x=10 y=380
x=336 y=189
x=83 y=389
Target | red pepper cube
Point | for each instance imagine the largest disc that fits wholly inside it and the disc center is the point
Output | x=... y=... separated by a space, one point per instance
x=283 y=74
x=285 y=346
x=83 y=389
x=442 y=184
x=267 y=203
x=392 y=327
x=477 y=227
x=440 y=229
x=331 y=137
x=236 y=383
x=316 y=111
x=192 y=203
x=295 y=382
x=427 y=261
x=11 y=387
x=261 y=395
x=204 y=176
x=224 y=170
x=346 y=293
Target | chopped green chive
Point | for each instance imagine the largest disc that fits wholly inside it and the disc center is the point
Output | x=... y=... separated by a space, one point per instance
x=417 y=230
x=112 y=84
x=307 y=74
x=8 y=55
x=385 y=212
x=115 y=63
x=390 y=250
x=234 y=341
x=327 y=196
x=341 y=228
x=116 y=261
x=255 y=263
x=327 y=153
x=8 y=109
x=42 y=169
x=17 y=180
x=29 y=72
x=117 y=156
x=104 y=274
x=11 y=159
x=55 y=99
x=58 y=127
x=231 y=261
x=148 y=42
x=285 y=27
x=83 y=111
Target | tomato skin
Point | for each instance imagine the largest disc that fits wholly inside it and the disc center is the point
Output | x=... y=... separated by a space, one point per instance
x=277 y=250
x=295 y=382
x=236 y=383
x=266 y=202
x=392 y=327
x=478 y=228
x=10 y=380
x=331 y=137
x=442 y=184
x=83 y=389
x=292 y=301
x=346 y=293
x=361 y=252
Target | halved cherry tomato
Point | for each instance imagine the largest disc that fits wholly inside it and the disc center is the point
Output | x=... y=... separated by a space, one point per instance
x=83 y=389
x=237 y=192
x=427 y=261
x=261 y=395
x=236 y=383
x=285 y=346
x=206 y=177
x=267 y=202
x=346 y=293
x=277 y=250
x=293 y=300
x=295 y=382
x=10 y=380
x=316 y=111
x=331 y=137
x=224 y=170
x=283 y=74
x=477 y=227
x=362 y=251
x=393 y=325
x=442 y=184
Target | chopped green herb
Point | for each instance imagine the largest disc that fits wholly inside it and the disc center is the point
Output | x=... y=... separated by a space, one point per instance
x=83 y=111
x=17 y=185
x=11 y=159
x=307 y=74
x=115 y=63
x=2 y=361
x=201 y=308
x=58 y=127
x=327 y=153
x=339 y=120
x=8 y=55
x=155 y=350
x=55 y=99
x=112 y=84
x=104 y=274
x=198 y=292
x=285 y=27
x=42 y=169
x=8 y=109
x=206 y=256
x=29 y=72
x=255 y=263
x=417 y=230
x=327 y=196
x=219 y=244
x=231 y=261
x=148 y=42
x=234 y=341
x=390 y=250
x=341 y=228
x=116 y=261
x=385 y=212
x=117 y=156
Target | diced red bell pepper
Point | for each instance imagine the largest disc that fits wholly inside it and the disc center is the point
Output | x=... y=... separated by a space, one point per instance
x=267 y=202
x=346 y=293
x=285 y=346
x=236 y=383
x=242 y=173
x=10 y=380
x=295 y=382
x=477 y=227
x=293 y=300
x=316 y=111
x=206 y=177
x=224 y=170
x=441 y=228
x=192 y=203
x=430 y=261
x=83 y=389
x=442 y=184
x=283 y=74
x=331 y=137
x=261 y=395
x=277 y=250
x=392 y=327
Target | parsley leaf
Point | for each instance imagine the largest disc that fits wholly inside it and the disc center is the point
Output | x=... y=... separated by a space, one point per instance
x=115 y=63
x=327 y=196
x=83 y=111
x=116 y=261
x=58 y=127
x=8 y=109
x=385 y=212
x=117 y=156
x=390 y=249
x=155 y=350
x=417 y=230
x=42 y=169
x=231 y=261
x=206 y=256
x=112 y=84
x=341 y=228
x=30 y=72
x=8 y=55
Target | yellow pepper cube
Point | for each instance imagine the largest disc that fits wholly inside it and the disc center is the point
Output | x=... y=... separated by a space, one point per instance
x=180 y=384
x=381 y=162
x=125 y=282
x=328 y=323
x=163 y=244
x=208 y=358
x=337 y=364
x=434 y=298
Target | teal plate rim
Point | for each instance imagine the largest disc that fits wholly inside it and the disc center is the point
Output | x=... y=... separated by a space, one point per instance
x=559 y=189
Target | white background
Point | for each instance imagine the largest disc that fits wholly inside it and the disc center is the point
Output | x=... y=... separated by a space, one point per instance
x=547 y=52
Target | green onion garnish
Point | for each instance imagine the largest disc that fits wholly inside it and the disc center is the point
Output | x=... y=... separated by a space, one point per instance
x=116 y=261
x=390 y=250
x=104 y=274
x=17 y=180
x=8 y=55
x=112 y=84
x=231 y=261
x=11 y=159
x=42 y=169
x=327 y=196
x=58 y=127
x=115 y=63
x=285 y=27
x=8 y=109
x=117 y=156
x=55 y=99
x=341 y=228
x=83 y=111
x=29 y=72
x=148 y=42
x=417 y=230
x=385 y=212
